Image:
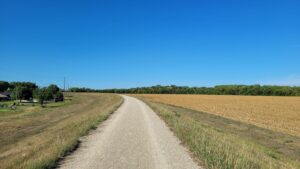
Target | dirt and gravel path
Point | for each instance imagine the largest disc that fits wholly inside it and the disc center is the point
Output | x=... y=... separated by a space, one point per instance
x=133 y=138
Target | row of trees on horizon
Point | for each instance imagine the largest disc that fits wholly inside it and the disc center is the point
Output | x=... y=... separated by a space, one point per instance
x=255 y=90
x=29 y=90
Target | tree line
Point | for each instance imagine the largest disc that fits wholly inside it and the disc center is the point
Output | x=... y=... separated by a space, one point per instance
x=257 y=90
x=30 y=91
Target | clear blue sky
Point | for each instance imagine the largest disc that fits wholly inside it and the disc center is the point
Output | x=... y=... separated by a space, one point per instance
x=107 y=44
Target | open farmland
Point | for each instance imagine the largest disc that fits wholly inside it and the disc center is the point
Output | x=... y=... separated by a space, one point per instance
x=272 y=112
x=221 y=142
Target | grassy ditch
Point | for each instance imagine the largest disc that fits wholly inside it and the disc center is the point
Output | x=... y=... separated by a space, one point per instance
x=38 y=138
x=220 y=143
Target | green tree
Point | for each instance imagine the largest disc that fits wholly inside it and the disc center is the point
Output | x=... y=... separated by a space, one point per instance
x=43 y=94
x=4 y=86
x=58 y=96
x=53 y=88
x=18 y=93
x=26 y=89
x=55 y=93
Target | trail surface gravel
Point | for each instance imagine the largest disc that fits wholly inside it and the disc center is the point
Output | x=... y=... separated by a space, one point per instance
x=134 y=137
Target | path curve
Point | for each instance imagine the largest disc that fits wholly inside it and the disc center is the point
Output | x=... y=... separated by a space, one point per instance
x=134 y=137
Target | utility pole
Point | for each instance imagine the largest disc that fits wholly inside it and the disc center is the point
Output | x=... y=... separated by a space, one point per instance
x=64 y=93
x=64 y=84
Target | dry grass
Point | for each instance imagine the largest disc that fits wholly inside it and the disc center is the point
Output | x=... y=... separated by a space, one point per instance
x=36 y=139
x=272 y=112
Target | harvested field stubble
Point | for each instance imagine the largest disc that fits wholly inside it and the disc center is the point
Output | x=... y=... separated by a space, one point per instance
x=272 y=112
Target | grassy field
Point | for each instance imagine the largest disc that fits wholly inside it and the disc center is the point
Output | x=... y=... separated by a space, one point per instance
x=272 y=112
x=35 y=137
x=28 y=107
x=219 y=142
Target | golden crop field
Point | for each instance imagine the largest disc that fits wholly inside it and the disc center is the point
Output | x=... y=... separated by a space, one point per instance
x=272 y=112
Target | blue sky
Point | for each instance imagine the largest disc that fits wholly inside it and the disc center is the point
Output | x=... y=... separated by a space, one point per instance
x=107 y=44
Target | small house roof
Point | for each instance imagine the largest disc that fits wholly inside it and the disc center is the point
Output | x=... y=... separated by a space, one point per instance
x=6 y=93
x=3 y=96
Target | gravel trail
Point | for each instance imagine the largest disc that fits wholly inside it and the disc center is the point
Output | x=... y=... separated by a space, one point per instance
x=134 y=137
